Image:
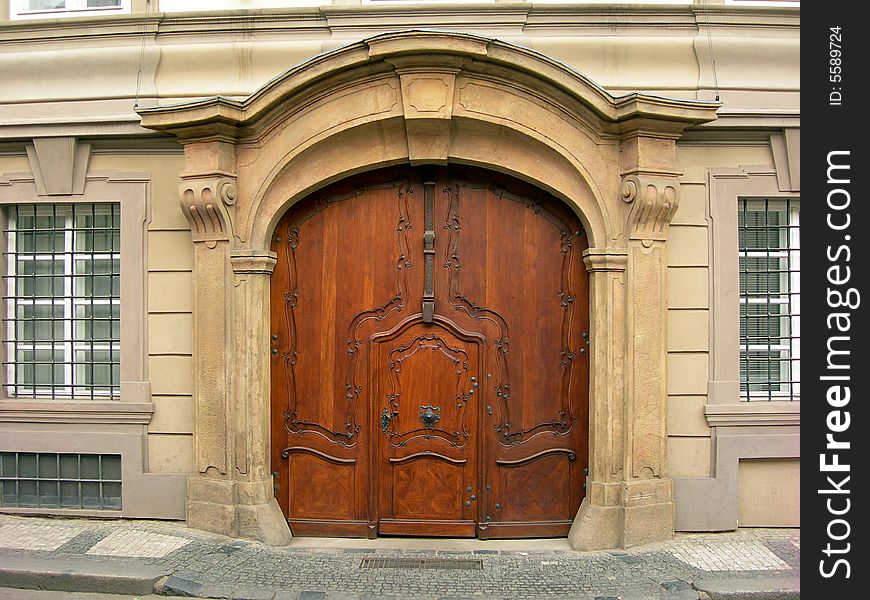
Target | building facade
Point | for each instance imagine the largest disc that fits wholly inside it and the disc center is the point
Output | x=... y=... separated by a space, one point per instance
x=495 y=270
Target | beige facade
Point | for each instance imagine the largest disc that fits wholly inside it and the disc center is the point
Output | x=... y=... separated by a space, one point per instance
x=671 y=444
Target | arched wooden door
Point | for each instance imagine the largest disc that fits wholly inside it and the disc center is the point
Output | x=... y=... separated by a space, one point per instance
x=430 y=364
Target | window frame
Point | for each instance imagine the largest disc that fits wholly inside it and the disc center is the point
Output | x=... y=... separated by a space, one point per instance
x=130 y=190
x=70 y=387
x=72 y=8
x=788 y=296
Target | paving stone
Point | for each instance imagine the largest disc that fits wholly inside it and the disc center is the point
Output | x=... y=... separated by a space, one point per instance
x=180 y=586
x=209 y=565
x=36 y=536
x=253 y=593
x=132 y=542
x=217 y=591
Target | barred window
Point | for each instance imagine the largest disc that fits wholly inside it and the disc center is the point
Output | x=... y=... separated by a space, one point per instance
x=62 y=295
x=769 y=264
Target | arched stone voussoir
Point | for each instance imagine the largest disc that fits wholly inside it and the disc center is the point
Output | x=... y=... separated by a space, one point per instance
x=482 y=144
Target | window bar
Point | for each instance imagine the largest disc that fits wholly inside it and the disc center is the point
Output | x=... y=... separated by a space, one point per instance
x=17 y=479
x=786 y=279
x=767 y=239
x=92 y=240
x=52 y=239
x=111 y=235
x=746 y=375
x=79 y=479
x=35 y=291
x=68 y=307
x=59 y=474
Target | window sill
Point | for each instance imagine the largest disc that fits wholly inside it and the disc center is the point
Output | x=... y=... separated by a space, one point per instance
x=87 y=411
x=753 y=413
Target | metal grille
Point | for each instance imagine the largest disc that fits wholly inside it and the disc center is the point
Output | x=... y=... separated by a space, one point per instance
x=89 y=481
x=62 y=294
x=769 y=264
x=422 y=563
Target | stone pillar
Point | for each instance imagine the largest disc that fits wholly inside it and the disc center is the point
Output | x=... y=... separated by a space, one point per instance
x=599 y=522
x=629 y=498
x=257 y=511
x=231 y=490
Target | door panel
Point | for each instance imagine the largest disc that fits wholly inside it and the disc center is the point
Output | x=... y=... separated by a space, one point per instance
x=501 y=455
x=427 y=469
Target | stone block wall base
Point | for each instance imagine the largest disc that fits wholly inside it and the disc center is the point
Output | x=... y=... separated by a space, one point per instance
x=596 y=527
x=236 y=509
x=647 y=524
x=606 y=527
x=211 y=516
x=264 y=523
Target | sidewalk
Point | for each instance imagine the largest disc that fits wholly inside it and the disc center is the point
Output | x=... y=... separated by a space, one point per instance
x=135 y=557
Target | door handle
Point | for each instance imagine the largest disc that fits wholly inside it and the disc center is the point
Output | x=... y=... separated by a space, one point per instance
x=386 y=417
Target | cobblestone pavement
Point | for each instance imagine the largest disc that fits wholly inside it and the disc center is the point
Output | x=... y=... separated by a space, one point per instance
x=208 y=565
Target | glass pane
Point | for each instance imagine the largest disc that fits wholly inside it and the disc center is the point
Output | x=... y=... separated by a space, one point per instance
x=99 y=3
x=112 y=496
x=8 y=493
x=39 y=322
x=69 y=466
x=90 y=494
x=97 y=322
x=40 y=368
x=8 y=467
x=48 y=466
x=45 y=4
x=27 y=494
x=69 y=494
x=34 y=278
x=112 y=467
x=96 y=230
x=48 y=493
x=27 y=465
x=98 y=278
x=90 y=466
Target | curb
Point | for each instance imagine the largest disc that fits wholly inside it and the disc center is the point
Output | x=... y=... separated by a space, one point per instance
x=763 y=588
x=79 y=576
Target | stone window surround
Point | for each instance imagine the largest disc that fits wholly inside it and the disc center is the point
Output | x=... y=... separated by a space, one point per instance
x=741 y=430
x=95 y=426
x=74 y=8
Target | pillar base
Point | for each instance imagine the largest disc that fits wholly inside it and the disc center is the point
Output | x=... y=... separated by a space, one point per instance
x=213 y=505
x=624 y=515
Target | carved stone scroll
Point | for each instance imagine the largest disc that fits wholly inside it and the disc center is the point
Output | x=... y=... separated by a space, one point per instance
x=204 y=202
x=654 y=200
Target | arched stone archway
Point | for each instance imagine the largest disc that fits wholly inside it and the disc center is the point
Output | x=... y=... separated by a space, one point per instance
x=428 y=97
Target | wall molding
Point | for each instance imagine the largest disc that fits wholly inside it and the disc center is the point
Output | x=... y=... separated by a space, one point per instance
x=127 y=413
x=753 y=413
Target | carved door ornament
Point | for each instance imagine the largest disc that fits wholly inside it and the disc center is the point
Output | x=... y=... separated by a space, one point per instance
x=429 y=415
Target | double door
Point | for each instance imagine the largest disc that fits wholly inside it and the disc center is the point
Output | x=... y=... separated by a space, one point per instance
x=429 y=358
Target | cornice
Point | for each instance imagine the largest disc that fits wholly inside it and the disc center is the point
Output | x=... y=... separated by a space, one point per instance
x=330 y=19
x=628 y=113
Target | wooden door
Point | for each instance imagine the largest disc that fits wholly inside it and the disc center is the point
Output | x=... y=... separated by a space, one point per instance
x=430 y=357
x=427 y=469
